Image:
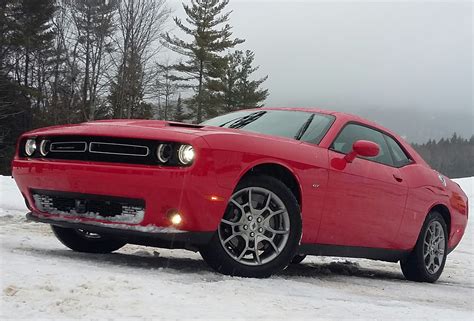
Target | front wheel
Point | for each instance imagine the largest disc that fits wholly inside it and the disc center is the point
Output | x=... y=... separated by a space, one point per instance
x=260 y=230
x=426 y=262
x=83 y=241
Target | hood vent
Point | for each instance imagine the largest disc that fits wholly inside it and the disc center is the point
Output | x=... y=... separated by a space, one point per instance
x=185 y=125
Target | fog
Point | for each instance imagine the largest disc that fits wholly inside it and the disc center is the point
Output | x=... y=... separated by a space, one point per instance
x=406 y=64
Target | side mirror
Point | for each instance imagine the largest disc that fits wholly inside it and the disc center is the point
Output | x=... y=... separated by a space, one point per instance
x=363 y=148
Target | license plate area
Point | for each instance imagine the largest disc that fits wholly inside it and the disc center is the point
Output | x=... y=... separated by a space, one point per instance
x=97 y=207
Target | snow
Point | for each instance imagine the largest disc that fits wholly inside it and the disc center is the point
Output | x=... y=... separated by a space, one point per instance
x=41 y=279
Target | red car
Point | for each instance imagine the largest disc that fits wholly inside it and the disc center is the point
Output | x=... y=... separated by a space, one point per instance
x=252 y=191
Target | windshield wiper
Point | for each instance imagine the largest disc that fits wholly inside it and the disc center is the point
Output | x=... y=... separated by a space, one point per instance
x=244 y=121
x=303 y=128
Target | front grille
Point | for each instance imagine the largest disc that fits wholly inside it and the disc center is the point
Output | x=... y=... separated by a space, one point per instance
x=102 y=149
x=119 y=149
x=68 y=147
x=108 y=208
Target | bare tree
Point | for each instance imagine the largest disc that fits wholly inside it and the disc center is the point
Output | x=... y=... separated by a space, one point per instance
x=140 y=24
x=166 y=89
x=94 y=26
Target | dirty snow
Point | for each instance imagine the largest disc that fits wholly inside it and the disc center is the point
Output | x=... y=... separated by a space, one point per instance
x=41 y=279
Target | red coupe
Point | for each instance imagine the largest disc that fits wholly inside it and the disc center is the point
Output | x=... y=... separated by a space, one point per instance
x=252 y=191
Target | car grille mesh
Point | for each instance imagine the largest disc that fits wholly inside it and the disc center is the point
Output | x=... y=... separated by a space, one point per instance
x=102 y=149
x=107 y=208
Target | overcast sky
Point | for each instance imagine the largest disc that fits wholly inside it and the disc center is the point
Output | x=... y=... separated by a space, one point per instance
x=385 y=60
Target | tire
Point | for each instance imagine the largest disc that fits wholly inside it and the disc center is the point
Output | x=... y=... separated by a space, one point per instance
x=418 y=266
x=297 y=259
x=83 y=241
x=258 y=240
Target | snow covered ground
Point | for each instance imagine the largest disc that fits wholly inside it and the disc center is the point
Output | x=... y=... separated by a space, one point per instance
x=40 y=278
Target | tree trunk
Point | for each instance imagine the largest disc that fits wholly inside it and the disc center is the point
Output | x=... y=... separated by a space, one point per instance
x=199 y=107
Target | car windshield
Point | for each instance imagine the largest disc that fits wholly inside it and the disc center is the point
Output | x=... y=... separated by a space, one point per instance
x=306 y=126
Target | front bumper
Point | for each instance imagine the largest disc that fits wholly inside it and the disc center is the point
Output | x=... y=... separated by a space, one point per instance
x=166 y=238
x=191 y=191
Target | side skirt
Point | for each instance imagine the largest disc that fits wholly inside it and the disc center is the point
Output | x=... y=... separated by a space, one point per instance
x=387 y=255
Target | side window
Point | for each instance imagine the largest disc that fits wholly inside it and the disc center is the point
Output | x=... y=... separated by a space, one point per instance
x=400 y=158
x=353 y=132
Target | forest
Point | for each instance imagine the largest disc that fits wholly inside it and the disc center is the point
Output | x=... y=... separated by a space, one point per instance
x=70 y=61
x=453 y=157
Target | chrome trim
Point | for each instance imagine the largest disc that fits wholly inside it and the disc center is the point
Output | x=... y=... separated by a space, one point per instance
x=42 y=148
x=116 y=144
x=160 y=150
x=51 y=147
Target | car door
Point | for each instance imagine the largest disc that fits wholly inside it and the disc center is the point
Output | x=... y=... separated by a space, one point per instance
x=365 y=199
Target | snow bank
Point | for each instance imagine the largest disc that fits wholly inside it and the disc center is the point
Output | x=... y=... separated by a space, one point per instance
x=10 y=196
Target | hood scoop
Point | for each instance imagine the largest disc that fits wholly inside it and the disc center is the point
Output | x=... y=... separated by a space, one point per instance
x=184 y=125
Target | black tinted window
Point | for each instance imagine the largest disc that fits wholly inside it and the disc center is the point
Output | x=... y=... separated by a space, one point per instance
x=353 y=132
x=290 y=124
x=318 y=127
x=398 y=155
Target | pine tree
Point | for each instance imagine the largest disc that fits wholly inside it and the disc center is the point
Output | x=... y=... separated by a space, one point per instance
x=127 y=92
x=452 y=156
x=179 y=114
x=32 y=37
x=239 y=91
x=204 y=61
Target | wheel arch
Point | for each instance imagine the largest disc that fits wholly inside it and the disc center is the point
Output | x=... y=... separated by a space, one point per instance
x=280 y=172
x=445 y=213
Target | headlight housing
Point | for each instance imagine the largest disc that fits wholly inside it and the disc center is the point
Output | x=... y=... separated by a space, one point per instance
x=186 y=154
x=30 y=146
x=164 y=152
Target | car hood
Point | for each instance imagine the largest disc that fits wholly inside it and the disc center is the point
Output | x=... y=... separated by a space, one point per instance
x=144 y=129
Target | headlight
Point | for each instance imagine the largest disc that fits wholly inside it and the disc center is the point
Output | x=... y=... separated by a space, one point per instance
x=164 y=152
x=43 y=147
x=186 y=154
x=30 y=147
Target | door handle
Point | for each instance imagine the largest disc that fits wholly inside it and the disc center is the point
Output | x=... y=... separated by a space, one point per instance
x=398 y=178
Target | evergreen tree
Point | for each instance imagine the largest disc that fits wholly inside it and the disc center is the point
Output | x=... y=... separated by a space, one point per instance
x=210 y=35
x=127 y=92
x=179 y=114
x=239 y=91
x=15 y=118
x=32 y=37
x=452 y=157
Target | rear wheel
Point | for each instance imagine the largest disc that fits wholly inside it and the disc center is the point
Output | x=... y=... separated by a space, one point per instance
x=426 y=262
x=83 y=241
x=260 y=230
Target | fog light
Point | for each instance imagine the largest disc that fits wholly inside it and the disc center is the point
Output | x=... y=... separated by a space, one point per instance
x=176 y=219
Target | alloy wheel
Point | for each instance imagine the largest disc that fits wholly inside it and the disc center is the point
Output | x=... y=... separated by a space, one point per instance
x=255 y=227
x=434 y=247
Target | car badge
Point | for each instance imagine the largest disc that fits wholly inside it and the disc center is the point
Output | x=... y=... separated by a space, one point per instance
x=442 y=179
